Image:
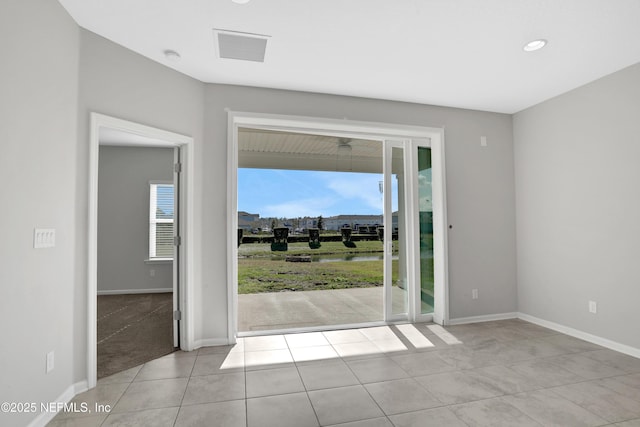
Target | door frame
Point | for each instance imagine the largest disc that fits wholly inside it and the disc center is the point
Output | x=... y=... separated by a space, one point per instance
x=349 y=129
x=183 y=285
x=388 y=146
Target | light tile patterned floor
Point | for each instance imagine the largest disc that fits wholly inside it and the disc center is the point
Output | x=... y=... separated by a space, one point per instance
x=503 y=373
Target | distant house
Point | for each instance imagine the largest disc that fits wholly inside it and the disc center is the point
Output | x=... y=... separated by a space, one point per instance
x=246 y=221
x=307 y=222
x=245 y=216
x=353 y=221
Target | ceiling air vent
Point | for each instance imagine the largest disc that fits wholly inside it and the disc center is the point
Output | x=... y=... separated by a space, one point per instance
x=241 y=46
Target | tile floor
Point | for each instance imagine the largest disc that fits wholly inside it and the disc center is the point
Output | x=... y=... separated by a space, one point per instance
x=503 y=373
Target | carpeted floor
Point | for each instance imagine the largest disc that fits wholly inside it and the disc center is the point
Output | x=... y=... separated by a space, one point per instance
x=133 y=329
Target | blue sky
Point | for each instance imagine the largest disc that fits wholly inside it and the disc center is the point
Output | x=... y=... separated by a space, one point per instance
x=165 y=199
x=291 y=194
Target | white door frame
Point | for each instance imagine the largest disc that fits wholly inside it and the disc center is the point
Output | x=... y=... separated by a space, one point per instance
x=186 y=268
x=387 y=194
x=340 y=128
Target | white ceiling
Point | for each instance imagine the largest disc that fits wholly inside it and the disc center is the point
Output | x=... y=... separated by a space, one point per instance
x=459 y=53
x=266 y=149
x=304 y=144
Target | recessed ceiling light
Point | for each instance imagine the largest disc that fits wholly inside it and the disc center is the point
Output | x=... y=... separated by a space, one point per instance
x=172 y=55
x=241 y=1
x=534 y=45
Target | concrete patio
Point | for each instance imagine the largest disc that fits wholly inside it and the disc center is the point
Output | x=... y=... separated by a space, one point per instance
x=287 y=310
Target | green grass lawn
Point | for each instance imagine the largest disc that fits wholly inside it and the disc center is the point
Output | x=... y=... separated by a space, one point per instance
x=261 y=270
x=256 y=275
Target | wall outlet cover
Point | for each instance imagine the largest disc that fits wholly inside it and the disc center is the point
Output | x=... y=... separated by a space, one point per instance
x=44 y=238
x=50 y=361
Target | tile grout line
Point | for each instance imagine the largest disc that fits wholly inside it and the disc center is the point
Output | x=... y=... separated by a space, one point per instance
x=315 y=413
x=367 y=391
x=246 y=389
x=185 y=390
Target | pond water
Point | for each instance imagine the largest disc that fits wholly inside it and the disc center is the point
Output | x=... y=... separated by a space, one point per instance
x=340 y=258
x=347 y=257
x=333 y=258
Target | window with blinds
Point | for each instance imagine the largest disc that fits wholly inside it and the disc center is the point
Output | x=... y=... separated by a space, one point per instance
x=160 y=221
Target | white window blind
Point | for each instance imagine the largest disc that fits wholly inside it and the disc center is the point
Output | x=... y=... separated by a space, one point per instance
x=161 y=220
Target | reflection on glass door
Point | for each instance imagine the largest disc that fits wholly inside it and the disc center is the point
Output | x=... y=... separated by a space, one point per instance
x=425 y=212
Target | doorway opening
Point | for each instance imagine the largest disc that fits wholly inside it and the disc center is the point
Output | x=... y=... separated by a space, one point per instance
x=136 y=220
x=141 y=188
x=409 y=234
x=310 y=228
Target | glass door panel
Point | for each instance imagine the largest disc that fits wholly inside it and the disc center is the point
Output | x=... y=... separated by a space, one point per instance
x=398 y=234
x=395 y=236
x=425 y=220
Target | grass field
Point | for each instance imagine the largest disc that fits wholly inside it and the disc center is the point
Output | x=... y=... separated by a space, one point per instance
x=257 y=275
x=261 y=270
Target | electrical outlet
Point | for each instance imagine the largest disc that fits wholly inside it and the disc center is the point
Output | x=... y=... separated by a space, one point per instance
x=474 y=294
x=483 y=141
x=50 y=361
x=44 y=238
x=152 y=273
x=593 y=307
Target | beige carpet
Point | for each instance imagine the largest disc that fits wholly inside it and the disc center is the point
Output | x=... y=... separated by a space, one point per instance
x=133 y=329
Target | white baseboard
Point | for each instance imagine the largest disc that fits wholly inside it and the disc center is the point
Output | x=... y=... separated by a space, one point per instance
x=135 y=291
x=613 y=345
x=211 y=342
x=45 y=417
x=484 y=318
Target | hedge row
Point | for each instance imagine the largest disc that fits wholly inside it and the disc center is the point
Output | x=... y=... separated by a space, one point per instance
x=298 y=239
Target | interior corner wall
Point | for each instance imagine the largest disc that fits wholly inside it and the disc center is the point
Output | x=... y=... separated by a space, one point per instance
x=120 y=83
x=123 y=219
x=480 y=190
x=38 y=133
x=577 y=204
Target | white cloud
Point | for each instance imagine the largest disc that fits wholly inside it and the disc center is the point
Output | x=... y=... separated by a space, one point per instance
x=311 y=207
x=364 y=188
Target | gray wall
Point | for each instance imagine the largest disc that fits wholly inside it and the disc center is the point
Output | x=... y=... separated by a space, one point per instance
x=480 y=191
x=123 y=218
x=38 y=135
x=578 y=211
x=120 y=83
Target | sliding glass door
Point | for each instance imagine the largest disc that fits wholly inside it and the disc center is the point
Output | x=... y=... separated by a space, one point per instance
x=425 y=229
x=408 y=230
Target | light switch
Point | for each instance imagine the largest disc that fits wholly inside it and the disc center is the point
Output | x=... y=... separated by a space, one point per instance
x=483 y=141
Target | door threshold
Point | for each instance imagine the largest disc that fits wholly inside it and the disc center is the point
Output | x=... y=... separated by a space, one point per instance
x=318 y=328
